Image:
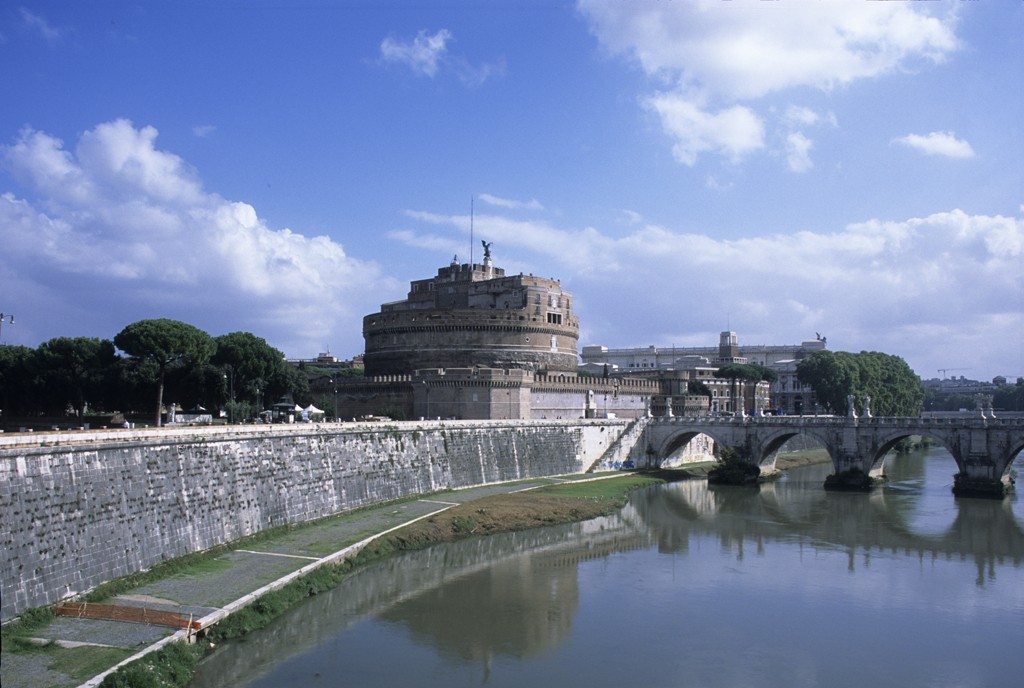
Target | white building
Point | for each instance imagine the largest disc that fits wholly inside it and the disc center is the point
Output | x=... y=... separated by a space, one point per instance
x=786 y=393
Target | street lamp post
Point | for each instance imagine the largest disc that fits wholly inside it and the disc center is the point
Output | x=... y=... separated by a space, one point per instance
x=231 y=409
x=335 y=387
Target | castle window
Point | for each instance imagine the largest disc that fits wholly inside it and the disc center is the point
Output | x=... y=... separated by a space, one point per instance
x=555 y=318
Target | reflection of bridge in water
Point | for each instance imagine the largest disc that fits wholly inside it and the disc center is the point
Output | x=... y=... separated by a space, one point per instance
x=985 y=531
x=983 y=448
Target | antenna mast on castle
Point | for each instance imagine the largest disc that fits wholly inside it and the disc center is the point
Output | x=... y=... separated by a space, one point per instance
x=470 y=232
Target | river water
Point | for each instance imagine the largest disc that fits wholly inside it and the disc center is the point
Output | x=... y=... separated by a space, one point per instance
x=781 y=585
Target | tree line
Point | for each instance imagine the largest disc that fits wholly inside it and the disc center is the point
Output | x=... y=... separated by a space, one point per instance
x=1009 y=397
x=894 y=388
x=145 y=363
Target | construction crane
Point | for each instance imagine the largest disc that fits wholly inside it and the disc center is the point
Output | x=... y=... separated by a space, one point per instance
x=946 y=370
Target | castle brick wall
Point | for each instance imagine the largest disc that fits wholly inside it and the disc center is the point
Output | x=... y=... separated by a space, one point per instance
x=403 y=341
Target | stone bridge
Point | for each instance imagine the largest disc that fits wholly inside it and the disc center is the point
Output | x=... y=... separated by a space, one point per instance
x=983 y=447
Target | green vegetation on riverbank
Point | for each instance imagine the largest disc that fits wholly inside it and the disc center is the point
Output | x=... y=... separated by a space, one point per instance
x=78 y=663
x=568 y=502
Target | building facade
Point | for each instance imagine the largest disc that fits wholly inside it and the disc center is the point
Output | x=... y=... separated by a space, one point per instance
x=473 y=342
x=474 y=315
x=786 y=394
x=728 y=350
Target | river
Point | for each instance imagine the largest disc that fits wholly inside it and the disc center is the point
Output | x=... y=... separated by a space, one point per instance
x=781 y=585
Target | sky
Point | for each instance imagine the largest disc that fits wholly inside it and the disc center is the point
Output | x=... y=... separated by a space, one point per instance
x=780 y=169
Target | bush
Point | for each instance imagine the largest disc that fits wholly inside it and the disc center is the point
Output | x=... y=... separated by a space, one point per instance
x=733 y=469
x=171 y=666
x=850 y=480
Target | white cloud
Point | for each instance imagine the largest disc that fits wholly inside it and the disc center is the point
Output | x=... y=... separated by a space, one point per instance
x=422 y=54
x=798 y=152
x=38 y=23
x=943 y=143
x=715 y=184
x=118 y=229
x=734 y=131
x=532 y=204
x=446 y=245
x=745 y=50
x=911 y=287
x=720 y=54
x=427 y=54
x=203 y=130
x=476 y=74
x=799 y=116
x=631 y=217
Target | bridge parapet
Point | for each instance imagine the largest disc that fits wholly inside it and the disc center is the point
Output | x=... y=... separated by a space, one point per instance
x=983 y=447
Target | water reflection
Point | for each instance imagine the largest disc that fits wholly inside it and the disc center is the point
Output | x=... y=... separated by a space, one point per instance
x=516 y=595
x=519 y=608
x=909 y=515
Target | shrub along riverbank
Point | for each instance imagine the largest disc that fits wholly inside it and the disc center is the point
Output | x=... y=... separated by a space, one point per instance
x=569 y=502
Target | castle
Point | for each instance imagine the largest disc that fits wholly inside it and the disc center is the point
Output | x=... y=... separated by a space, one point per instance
x=475 y=343
x=474 y=315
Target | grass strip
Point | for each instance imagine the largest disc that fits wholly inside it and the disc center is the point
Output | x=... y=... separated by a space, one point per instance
x=27 y=623
x=175 y=664
x=564 y=503
x=82 y=663
x=77 y=663
x=171 y=666
x=200 y=562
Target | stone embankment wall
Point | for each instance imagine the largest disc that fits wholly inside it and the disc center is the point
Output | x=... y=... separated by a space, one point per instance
x=79 y=509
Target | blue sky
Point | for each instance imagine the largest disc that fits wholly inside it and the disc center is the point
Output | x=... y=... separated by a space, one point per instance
x=781 y=168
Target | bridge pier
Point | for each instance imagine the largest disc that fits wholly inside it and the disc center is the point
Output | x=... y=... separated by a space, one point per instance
x=982 y=477
x=983 y=448
x=854 y=470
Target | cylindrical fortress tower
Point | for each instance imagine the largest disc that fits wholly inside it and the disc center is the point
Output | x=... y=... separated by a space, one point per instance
x=474 y=315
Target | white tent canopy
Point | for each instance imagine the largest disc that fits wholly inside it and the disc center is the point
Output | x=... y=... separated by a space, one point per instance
x=313 y=410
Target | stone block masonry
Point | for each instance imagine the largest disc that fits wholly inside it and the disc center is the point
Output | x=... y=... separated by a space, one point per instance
x=80 y=509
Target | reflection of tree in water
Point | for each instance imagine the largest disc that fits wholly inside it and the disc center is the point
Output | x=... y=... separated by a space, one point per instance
x=519 y=608
x=800 y=511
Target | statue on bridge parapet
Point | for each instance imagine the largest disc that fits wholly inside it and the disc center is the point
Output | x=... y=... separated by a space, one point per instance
x=867 y=407
x=984 y=405
x=851 y=410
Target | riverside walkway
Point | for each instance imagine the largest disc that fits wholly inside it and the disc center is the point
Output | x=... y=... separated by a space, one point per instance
x=72 y=651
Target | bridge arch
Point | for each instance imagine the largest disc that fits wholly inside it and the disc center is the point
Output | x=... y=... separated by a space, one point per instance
x=889 y=441
x=1015 y=453
x=681 y=437
x=771 y=444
